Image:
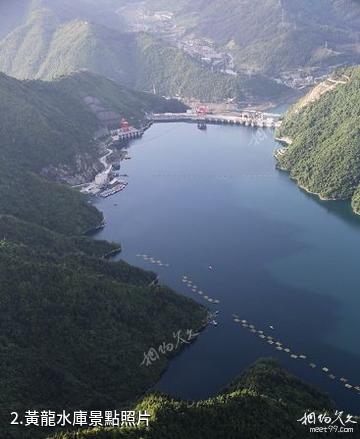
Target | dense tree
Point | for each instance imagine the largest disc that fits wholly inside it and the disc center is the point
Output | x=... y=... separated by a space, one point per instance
x=324 y=156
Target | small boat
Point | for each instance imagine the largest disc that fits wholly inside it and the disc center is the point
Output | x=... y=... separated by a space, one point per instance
x=214 y=322
x=210 y=268
x=271 y=327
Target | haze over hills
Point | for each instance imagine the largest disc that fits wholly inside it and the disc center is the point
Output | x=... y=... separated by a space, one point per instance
x=265 y=37
x=269 y=37
x=11 y=15
x=55 y=41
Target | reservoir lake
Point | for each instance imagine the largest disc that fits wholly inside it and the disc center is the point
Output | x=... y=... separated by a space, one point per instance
x=281 y=259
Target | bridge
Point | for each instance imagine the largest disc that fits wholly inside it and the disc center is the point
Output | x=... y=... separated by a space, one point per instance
x=246 y=118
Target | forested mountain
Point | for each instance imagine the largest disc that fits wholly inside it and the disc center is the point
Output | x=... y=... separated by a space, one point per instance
x=324 y=156
x=55 y=40
x=55 y=124
x=265 y=37
x=74 y=326
x=274 y=35
x=264 y=402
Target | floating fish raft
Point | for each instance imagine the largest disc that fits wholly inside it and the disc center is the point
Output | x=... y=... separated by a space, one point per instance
x=152 y=260
x=279 y=346
x=195 y=289
x=276 y=344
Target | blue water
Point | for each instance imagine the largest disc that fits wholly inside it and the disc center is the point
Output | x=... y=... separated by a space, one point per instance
x=280 y=256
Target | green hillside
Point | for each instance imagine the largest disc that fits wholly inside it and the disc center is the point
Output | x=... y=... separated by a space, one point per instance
x=47 y=46
x=48 y=128
x=325 y=154
x=74 y=325
x=55 y=125
x=263 y=403
x=175 y=73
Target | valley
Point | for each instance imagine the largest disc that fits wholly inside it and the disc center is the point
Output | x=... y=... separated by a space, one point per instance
x=179 y=201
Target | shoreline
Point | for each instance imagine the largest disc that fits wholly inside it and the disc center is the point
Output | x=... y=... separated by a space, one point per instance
x=155 y=385
x=205 y=324
x=285 y=140
x=319 y=195
x=307 y=190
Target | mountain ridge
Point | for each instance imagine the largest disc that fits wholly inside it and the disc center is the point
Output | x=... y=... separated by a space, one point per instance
x=62 y=47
